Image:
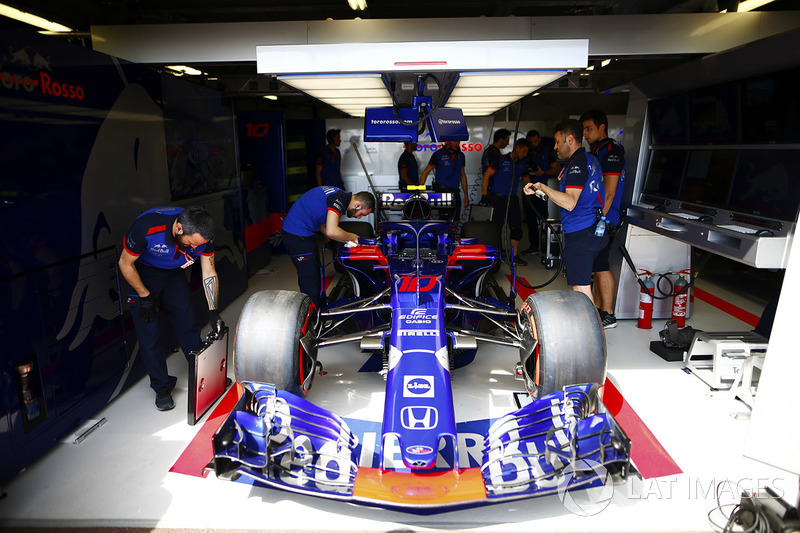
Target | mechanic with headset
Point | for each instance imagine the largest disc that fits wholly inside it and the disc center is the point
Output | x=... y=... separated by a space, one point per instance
x=449 y=164
x=542 y=165
x=319 y=210
x=161 y=243
x=580 y=197
x=497 y=187
x=329 y=163
x=611 y=155
x=407 y=166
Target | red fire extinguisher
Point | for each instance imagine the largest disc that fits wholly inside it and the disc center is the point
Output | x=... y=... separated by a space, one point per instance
x=679 y=299
x=646 y=301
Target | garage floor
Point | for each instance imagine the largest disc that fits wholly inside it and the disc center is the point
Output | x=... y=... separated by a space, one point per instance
x=119 y=477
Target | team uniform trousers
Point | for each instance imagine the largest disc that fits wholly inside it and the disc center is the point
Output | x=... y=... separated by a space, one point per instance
x=170 y=289
x=305 y=256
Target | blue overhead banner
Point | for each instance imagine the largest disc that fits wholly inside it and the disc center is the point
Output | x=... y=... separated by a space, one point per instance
x=381 y=125
x=447 y=124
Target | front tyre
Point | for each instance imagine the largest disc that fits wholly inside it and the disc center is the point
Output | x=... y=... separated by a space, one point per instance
x=572 y=343
x=266 y=348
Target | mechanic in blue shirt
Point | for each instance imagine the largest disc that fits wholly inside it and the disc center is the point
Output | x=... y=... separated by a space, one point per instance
x=542 y=165
x=161 y=243
x=407 y=166
x=329 y=163
x=495 y=150
x=612 y=162
x=500 y=182
x=319 y=210
x=580 y=197
x=448 y=161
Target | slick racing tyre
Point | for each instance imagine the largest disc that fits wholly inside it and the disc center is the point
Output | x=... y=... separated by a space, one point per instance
x=572 y=342
x=267 y=347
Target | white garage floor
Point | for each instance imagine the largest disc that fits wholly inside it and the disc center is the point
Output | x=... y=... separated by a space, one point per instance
x=119 y=476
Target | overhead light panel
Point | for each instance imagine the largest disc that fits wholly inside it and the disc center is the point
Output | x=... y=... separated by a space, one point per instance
x=490 y=91
x=270 y=97
x=183 y=69
x=33 y=20
x=357 y=5
x=749 y=5
x=349 y=93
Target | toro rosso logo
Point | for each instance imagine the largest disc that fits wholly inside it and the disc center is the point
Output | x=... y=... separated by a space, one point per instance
x=418 y=386
x=418 y=316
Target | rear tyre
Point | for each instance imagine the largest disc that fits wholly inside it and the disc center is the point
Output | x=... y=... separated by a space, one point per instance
x=266 y=347
x=572 y=342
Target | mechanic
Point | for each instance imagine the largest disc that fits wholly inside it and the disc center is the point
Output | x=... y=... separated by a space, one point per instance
x=161 y=243
x=495 y=150
x=580 y=197
x=498 y=186
x=329 y=163
x=449 y=164
x=319 y=210
x=408 y=167
x=542 y=165
x=611 y=155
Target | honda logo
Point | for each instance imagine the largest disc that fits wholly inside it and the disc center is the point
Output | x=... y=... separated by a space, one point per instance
x=419 y=417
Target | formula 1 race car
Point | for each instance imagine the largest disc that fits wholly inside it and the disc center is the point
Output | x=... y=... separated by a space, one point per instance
x=423 y=297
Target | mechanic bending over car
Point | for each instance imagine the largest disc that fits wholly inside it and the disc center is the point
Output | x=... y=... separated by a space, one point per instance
x=611 y=155
x=161 y=243
x=319 y=210
x=497 y=185
x=448 y=162
x=580 y=196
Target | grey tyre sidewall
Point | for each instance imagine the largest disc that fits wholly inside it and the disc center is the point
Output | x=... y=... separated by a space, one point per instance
x=572 y=342
x=266 y=347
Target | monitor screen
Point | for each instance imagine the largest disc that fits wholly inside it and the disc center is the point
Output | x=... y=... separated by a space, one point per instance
x=766 y=184
x=665 y=172
x=714 y=115
x=771 y=109
x=708 y=177
x=668 y=120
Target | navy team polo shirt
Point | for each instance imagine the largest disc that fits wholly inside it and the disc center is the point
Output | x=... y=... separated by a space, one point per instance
x=150 y=239
x=310 y=211
x=448 y=165
x=612 y=161
x=582 y=172
x=409 y=162
x=501 y=179
x=331 y=163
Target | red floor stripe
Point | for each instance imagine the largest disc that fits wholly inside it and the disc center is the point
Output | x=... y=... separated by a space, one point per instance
x=647 y=454
x=737 y=312
x=523 y=291
x=199 y=452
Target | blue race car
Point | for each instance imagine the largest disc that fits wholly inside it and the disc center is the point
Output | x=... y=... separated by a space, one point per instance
x=423 y=298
